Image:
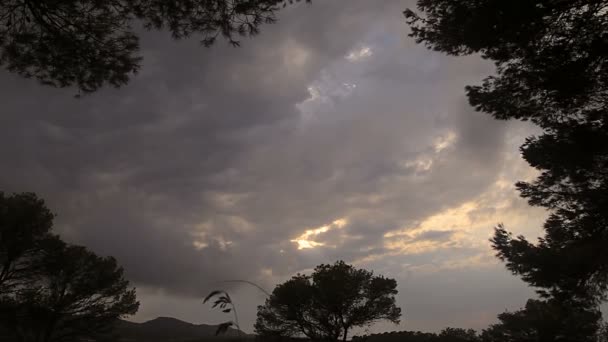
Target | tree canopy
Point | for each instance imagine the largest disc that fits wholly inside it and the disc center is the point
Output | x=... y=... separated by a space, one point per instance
x=446 y=335
x=457 y=335
x=88 y=43
x=328 y=304
x=54 y=291
x=541 y=321
x=25 y=226
x=551 y=68
x=549 y=54
x=77 y=295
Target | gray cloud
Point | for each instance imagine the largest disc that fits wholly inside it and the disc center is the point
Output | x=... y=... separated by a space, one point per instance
x=212 y=161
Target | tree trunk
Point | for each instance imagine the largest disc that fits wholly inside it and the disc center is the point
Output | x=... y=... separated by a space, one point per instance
x=345 y=334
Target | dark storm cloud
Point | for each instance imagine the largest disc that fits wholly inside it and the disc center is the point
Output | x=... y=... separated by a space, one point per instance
x=132 y=172
x=211 y=161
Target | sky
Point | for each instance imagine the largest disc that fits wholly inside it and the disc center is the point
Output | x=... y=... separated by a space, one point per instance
x=329 y=136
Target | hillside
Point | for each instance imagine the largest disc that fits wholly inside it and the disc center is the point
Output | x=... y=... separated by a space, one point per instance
x=165 y=329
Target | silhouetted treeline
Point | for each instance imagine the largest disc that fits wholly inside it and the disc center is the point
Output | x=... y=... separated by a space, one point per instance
x=278 y=338
x=446 y=335
x=397 y=336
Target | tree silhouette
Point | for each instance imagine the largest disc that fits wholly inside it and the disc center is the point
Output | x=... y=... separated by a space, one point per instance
x=52 y=291
x=88 y=43
x=458 y=335
x=551 y=68
x=76 y=295
x=549 y=54
x=25 y=225
x=543 y=321
x=328 y=304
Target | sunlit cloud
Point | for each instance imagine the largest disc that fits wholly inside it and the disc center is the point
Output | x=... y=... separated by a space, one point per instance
x=305 y=244
x=358 y=54
x=203 y=239
x=306 y=240
x=444 y=142
x=323 y=93
x=419 y=165
x=458 y=237
x=424 y=162
x=464 y=226
x=200 y=245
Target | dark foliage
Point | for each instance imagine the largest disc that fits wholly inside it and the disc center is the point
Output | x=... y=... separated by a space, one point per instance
x=446 y=335
x=551 y=68
x=458 y=335
x=602 y=335
x=571 y=259
x=25 y=225
x=328 y=304
x=55 y=291
x=397 y=336
x=543 y=321
x=550 y=54
x=223 y=302
x=90 y=43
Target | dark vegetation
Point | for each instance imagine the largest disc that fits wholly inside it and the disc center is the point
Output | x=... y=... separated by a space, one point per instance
x=524 y=333
x=50 y=290
x=446 y=335
x=222 y=300
x=328 y=304
x=88 y=43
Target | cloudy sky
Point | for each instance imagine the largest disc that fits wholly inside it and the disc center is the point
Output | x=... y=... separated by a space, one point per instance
x=331 y=135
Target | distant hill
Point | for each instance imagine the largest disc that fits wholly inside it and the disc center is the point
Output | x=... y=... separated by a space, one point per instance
x=166 y=329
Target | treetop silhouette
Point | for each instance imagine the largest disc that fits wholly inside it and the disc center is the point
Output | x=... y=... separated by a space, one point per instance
x=89 y=44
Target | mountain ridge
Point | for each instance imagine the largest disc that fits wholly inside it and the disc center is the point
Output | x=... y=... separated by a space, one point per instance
x=170 y=329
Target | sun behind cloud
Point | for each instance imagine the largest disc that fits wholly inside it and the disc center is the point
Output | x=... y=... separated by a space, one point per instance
x=305 y=241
